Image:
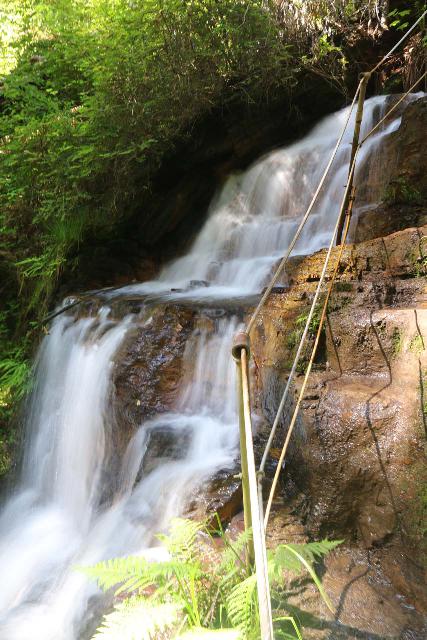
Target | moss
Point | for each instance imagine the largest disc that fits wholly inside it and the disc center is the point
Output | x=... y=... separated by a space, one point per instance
x=343 y=286
x=401 y=192
x=423 y=394
x=419 y=264
x=417 y=510
x=293 y=339
x=397 y=341
x=338 y=302
x=417 y=344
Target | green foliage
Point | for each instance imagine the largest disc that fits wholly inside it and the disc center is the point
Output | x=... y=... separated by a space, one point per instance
x=418 y=259
x=343 y=287
x=294 y=337
x=137 y=619
x=402 y=18
x=94 y=97
x=15 y=381
x=241 y=604
x=397 y=341
x=400 y=192
x=203 y=589
x=416 y=344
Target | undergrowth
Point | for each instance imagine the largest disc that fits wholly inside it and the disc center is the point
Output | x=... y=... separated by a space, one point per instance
x=94 y=96
x=202 y=587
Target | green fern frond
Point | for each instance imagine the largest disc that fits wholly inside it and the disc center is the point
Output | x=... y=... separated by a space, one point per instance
x=232 y=556
x=289 y=556
x=312 y=551
x=283 y=633
x=208 y=634
x=241 y=603
x=111 y=573
x=137 y=619
x=135 y=573
x=180 y=542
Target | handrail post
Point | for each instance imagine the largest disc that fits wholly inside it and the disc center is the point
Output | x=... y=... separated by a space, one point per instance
x=355 y=144
x=241 y=341
x=241 y=353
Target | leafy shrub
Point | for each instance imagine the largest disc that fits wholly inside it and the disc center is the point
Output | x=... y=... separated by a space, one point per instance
x=100 y=92
x=200 y=588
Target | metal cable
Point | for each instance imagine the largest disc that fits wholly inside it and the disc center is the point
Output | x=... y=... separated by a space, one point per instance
x=306 y=376
x=284 y=260
x=303 y=221
x=286 y=391
x=402 y=39
x=307 y=325
x=392 y=109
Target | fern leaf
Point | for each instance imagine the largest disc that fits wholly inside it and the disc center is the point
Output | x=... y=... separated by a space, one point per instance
x=282 y=633
x=135 y=573
x=232 y=555
x=286 y=556
x=208 y=634
x=241 y=602
x=110 y=573
x=312 y=573
x=311 y=551
x=136 y=619
x=182 y=537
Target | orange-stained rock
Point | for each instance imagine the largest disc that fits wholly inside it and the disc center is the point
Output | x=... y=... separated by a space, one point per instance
x=356 y=470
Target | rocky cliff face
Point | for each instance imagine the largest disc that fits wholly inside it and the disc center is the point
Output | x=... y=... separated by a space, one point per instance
x=357 y=471
x=402 y=160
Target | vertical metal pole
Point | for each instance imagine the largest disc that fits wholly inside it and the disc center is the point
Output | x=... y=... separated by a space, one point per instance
x=355 y=144
x=256 y=551
x=260 y=551
x=244 y=464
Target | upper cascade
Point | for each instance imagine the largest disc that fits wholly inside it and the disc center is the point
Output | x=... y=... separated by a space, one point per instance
x=253 y=219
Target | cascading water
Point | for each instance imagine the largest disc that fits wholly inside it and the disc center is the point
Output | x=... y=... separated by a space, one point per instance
x=62 y=513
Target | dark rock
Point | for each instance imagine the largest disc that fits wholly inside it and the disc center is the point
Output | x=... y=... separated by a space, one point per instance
x=403 y=196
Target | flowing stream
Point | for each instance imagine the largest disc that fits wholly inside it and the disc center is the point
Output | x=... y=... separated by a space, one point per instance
x=61 y=513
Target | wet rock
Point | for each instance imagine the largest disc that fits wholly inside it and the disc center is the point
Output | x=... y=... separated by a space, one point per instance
x=220 y=500
x=149 y=368
x=357 y=469
x=402 y=199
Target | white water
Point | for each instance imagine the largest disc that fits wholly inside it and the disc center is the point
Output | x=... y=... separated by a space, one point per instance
x=256 y=214
x=59 y=517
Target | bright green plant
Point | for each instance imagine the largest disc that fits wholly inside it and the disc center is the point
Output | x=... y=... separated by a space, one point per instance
x=401 y=18
x=416 y=344
x=397 y=341
x=200 y=589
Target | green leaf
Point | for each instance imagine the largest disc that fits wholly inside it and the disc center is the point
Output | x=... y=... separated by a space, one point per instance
x=137 y=619
x=284 y=634
x=313 y=575
x=207 y=634
x=241 y=602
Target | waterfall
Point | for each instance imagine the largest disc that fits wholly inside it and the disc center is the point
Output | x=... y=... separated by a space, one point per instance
x=63 y=513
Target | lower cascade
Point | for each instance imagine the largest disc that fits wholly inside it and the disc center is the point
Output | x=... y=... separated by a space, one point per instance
x=80 y=498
